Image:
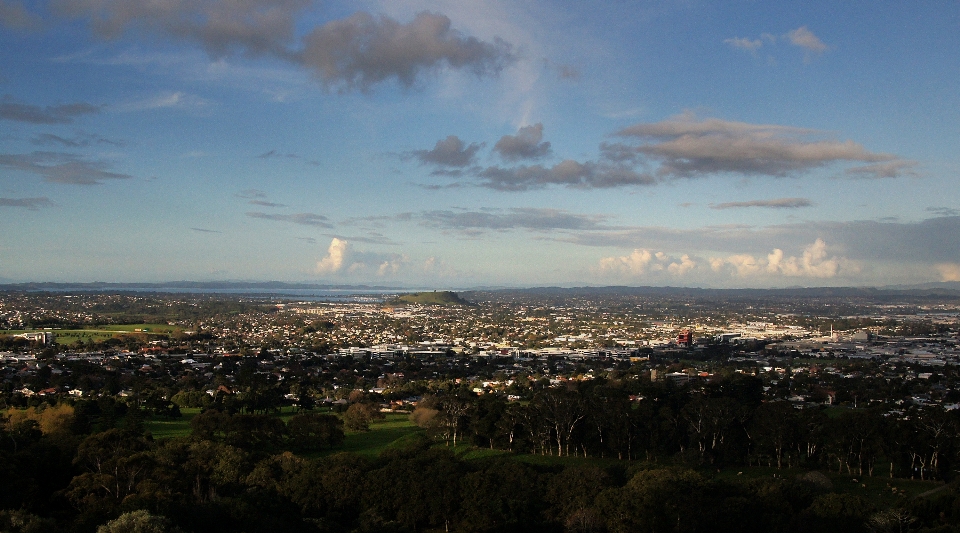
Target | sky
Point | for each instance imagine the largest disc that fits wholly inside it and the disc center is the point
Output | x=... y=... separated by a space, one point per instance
x=458 y=144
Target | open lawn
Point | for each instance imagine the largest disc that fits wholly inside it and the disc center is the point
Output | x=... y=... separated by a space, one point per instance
x=383 y=434
x=164 y=429
x=69 y=336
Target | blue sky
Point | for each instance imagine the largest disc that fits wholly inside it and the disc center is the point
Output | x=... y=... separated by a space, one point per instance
x=472 y=143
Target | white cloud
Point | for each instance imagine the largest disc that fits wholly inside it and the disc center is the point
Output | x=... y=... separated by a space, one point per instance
x=744 y=43
x=812 y=263
x=333 y=261
x=641 y=262
x=804 y=38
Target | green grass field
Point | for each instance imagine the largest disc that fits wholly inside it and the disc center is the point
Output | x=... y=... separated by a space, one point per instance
x=391 y=431
x=69 y=336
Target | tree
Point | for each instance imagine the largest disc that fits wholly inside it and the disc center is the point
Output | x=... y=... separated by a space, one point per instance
x=312 y=432
x=357 y=417
x=138 y=522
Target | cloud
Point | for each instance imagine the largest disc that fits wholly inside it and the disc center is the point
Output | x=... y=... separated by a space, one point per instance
x=527 y=218
x=265 y=203
x=16 y=17
x=363 y=50
x=887 y=169
x=524 y=145
x=80 y=140
x=944 y=211
x=32 y=204
x=167 y=100
x=744 y=43
x=304 y=219
x=58 y=114
x=688 y=147
x=343 y=259
x=812 y=263
x=642 y=261
x=449 y=152
x=356 y=52
x=949 y=271
x=249 y=27
x=273 y=153
x=58 y=167
x=204 y=230
x=568 y=72
x=251 y=194
x=570 y=173
x=333 y=261
x=804 y=38
x=777 y=203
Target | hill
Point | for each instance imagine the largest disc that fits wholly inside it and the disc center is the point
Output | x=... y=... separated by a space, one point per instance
x=429 y=298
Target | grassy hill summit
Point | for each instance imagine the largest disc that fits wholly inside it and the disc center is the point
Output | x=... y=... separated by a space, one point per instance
x=429 y=298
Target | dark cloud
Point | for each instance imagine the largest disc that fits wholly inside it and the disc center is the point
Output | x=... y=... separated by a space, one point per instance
x=304 y=219
x=250 y=27
x=449 y=152
x=535 y=219
x=352 y=53
x=14 y=16
x=58 y=167
x=58 y=114
x=204 y=230
x=861 y=240
x=29 y=203
x=362 y=50
x=686 y=147
x=524 y=145
x=274 y=153
x=777 y=203
x=569 y=173
x=265 y=203
x=251 y=194
x=944 y=211
x=568 y=72
x=80 y=140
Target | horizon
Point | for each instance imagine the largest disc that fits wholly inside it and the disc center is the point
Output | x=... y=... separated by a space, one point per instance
x=452 y=144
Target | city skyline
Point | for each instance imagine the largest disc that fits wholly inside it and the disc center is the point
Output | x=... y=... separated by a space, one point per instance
x=458 y=144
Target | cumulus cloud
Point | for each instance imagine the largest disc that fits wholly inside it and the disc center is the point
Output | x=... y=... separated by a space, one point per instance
x=526 y=144
x=812 y=263
x=343 y=259
x=949 y=271
x=58 y=167
x=776 y=203
x=804 y=38
x=352 y=53
x=304 y=219
x=449 y=152
x=642 y=261
x=32 y=204
x=687 y=147
x=333 y=261
x=33 y=114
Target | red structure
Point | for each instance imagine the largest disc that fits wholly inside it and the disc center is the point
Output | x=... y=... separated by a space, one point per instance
x=685 y=338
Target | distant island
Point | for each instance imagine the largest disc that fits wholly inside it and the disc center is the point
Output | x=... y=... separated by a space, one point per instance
x=429 y=298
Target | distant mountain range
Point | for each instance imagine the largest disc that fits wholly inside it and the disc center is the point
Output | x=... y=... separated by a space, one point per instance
x=947 y=289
